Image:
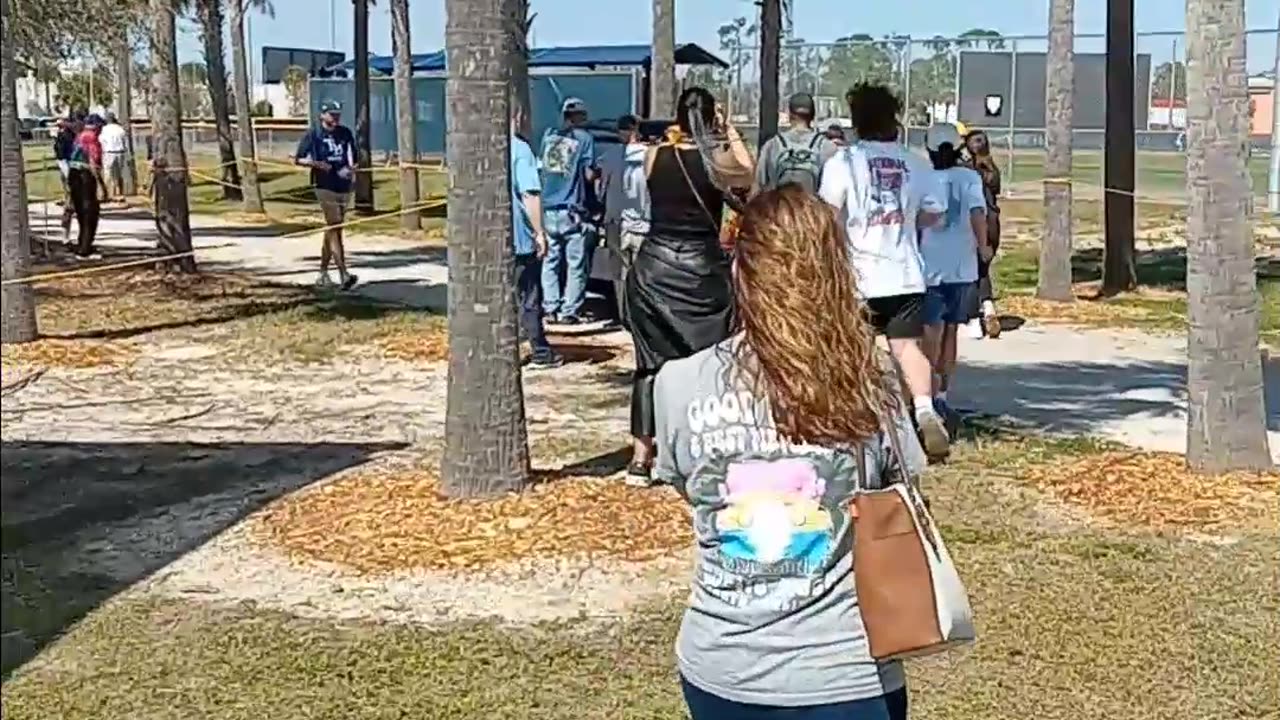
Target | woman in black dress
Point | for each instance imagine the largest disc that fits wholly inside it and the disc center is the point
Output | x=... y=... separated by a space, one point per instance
x=679 y=291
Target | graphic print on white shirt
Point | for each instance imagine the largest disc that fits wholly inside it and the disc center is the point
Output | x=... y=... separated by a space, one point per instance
x=880 y=187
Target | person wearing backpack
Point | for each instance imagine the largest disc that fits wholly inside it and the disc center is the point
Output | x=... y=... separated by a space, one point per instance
x=796 y=155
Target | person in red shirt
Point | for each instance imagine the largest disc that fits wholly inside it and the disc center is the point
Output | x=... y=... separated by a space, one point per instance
x=83 y=180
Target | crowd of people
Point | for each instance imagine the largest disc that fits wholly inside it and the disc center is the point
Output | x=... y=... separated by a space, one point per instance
x=92 y=153
x=760 y=391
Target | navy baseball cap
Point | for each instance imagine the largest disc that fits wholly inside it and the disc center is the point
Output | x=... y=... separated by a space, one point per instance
x=330 y=106
x=94 y=120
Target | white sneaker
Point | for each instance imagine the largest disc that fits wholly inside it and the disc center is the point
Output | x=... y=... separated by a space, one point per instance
x=973 y=329
x=323 y=282
x=933 y=433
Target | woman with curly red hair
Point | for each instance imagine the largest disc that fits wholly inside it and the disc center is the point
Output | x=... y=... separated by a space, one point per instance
x=767 y=435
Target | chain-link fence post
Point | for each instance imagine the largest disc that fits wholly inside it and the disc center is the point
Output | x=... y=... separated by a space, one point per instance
x=1010 y=163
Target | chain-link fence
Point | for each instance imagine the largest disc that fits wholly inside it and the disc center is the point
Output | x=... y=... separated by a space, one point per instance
x=997 y=83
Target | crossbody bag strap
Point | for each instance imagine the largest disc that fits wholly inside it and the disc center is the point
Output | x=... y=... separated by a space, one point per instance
x=692 y=188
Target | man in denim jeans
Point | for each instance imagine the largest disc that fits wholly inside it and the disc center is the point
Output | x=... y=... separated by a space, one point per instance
x=568 y=165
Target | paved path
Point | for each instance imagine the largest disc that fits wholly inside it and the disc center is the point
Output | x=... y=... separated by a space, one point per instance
x=1125 y=385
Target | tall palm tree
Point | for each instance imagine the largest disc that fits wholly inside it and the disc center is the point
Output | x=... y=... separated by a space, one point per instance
x=519 y=24
x=486 y=441
x=211 y=29
x=124 y=108
x=406 y=128
x=662 y=74
x=244 y=118
x=364 y=178
x=770 y=52
x=173 y=214
x=1226 y=418
x=17 y=302
x=1055 y=247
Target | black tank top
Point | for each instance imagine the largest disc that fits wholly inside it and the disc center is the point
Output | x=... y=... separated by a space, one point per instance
x=675 y=214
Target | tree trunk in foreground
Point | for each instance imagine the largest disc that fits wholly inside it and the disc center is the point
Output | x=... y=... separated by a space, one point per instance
x=406 y=128
x=173 y=215
x=662 y=75
x=518 y=25
x=1226 y=418
x=18 y=314
x=1055 y=247
x=486 y=441
x=364 y=160
x=211 y=29
x=244 y=119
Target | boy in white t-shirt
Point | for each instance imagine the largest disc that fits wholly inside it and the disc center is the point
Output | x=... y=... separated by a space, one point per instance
x=951 y=249
x=884 y=192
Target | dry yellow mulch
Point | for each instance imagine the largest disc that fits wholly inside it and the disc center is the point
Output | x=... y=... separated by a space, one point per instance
x=72 y=354
x=427 y=347
x=385 y=521
x=1156 y=490
x=1086 y=310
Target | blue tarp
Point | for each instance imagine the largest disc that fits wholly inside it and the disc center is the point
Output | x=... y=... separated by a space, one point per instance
x=607 y=94
x=586 y=56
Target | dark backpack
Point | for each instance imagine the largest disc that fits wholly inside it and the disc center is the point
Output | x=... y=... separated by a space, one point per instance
x=800 y=164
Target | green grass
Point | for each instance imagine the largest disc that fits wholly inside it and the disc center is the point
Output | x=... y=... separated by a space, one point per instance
x=287 y=191
x=320 y=329
x=1162 y=272
x=1074 y=623
x=1158 y=174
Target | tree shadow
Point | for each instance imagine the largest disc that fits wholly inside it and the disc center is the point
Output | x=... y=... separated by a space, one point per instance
x=83 y=521
x=1088 y=397
x=1162 y=268
x=604 y=465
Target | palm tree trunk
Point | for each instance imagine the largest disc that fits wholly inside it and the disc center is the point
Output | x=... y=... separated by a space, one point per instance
x=1226 y=419
x=211 y=29
x=1055 y=248
x=406 y=128
x=518 y=37
x=770 y=49
x=662 y=74
x=173 y=215
x=124 y=111
x=17 y=302
x=244 y=118
x=364 y=178
x=486 y=442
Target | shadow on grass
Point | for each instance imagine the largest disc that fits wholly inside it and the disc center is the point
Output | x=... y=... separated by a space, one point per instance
x=83 y=521
x=1085 y=397
x=604 y=465
x=1163 y=268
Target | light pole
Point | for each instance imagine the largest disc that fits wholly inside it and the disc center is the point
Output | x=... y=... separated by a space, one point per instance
x=1273 y=180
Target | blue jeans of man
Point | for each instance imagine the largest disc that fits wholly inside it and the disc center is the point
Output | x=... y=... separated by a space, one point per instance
x=529 y=302
x=567 y=241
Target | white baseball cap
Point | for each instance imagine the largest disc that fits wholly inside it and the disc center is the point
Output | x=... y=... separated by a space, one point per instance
x=573 y=105
x=940 y=134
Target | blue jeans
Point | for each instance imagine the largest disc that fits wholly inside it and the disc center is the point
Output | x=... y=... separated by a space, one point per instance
x=529 y=302
x=567 y=241
x=705 y=706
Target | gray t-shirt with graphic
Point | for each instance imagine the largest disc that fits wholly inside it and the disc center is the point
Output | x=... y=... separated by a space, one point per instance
x=773 y=616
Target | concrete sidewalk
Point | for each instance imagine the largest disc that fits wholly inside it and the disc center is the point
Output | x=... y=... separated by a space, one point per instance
x=1125 y=385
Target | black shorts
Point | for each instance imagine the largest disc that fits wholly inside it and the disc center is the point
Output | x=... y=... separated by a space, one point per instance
x=898 y=317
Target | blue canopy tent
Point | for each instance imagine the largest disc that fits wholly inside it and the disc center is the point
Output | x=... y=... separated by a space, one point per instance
x=585 y=56
x=612 y=79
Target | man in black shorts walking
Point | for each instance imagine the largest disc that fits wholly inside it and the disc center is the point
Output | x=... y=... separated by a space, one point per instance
x=884 y=193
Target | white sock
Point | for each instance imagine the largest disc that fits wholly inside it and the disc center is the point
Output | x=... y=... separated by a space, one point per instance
x=924 y=404
x=988 y=307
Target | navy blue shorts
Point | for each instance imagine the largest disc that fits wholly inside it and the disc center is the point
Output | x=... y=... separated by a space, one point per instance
x=949 y=303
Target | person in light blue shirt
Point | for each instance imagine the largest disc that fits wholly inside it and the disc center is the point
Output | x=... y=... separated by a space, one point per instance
x=529 y=243
x=568 y=159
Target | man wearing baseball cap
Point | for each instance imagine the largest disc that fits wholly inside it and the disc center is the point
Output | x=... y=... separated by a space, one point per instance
x=329 y=149
x=568 y=157
x=796 y=155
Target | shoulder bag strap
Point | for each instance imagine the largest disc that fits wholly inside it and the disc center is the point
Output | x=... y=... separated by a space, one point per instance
x=693 y=188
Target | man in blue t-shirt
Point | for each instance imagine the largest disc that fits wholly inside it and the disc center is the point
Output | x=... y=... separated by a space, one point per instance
x=329 y=149
x=530 y=246
x=568 y=165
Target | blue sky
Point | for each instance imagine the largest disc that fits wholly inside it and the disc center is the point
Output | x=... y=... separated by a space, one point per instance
x=305 y=23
